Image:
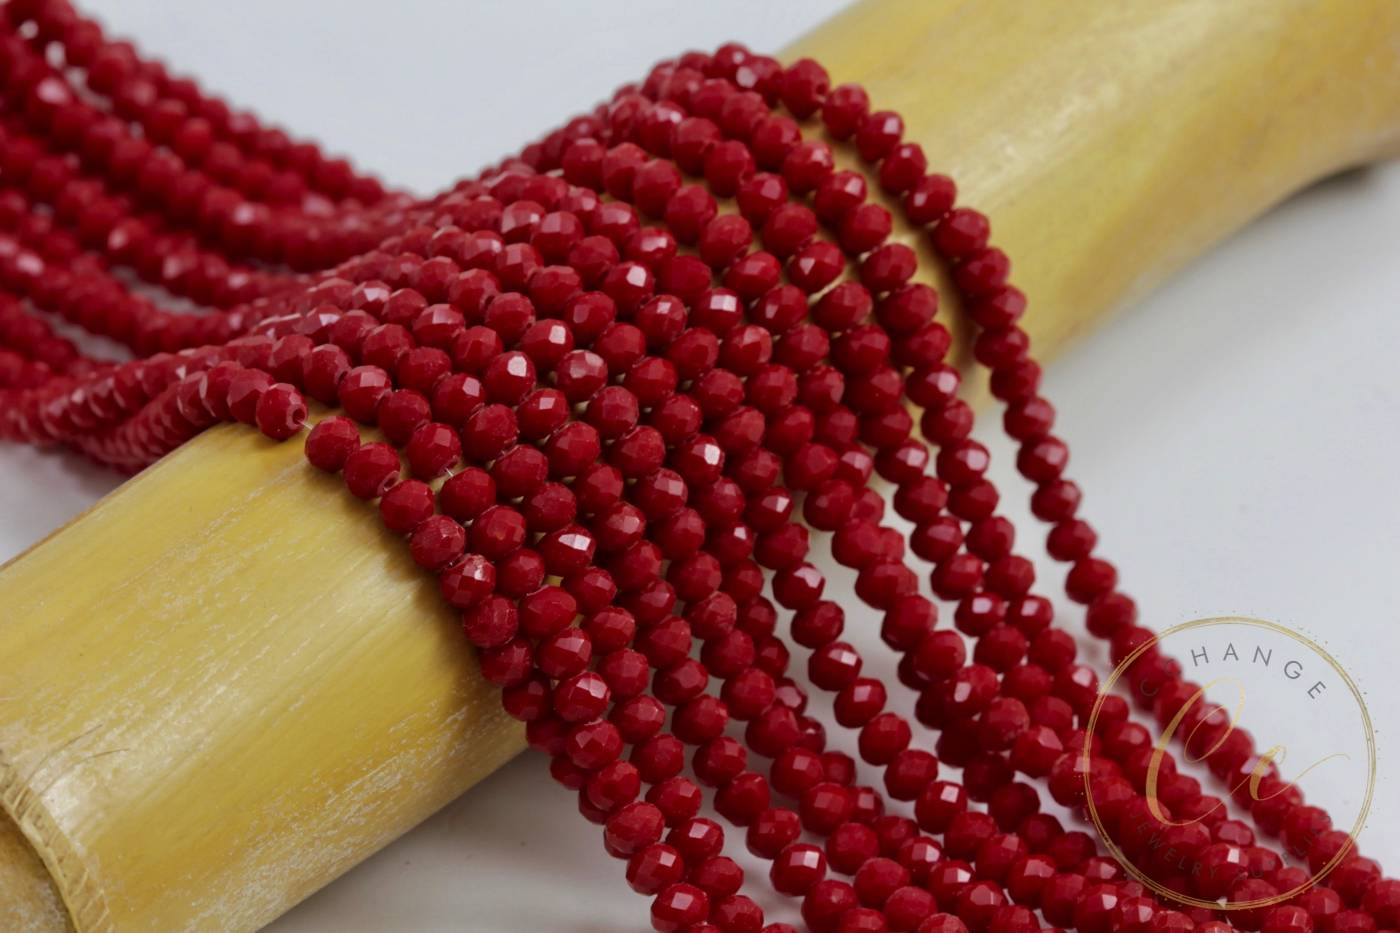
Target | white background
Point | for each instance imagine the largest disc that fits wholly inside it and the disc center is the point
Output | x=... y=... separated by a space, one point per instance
x=1237 y=433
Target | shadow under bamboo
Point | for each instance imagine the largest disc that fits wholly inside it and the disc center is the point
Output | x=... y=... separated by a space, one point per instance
x=226 y=684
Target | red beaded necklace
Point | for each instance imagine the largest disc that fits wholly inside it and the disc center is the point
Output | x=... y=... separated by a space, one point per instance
x=612 y=405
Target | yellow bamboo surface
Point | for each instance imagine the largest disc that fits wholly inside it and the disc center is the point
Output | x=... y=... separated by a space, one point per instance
x=226 y=683
x=28 y=899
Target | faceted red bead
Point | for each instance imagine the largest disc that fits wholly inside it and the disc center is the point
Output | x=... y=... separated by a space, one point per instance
x=437 y=541
x=547 y=612
x=432 y=449
x=581 y=698
x=245 y=391
x=797 y=868
x=508 y=377
x=592 y=745
x=497 y=531
x=549 y=506
x=490 y=431
x=519 y=470
x=655 y=868
x=679 y=907
x=907 y=907
x=385 y=345
x=371 y=469
x=541 y=413
x=844 y=109
x=322 y=370
x=421 y=368
x=474 y=347
x=331 y=442
x=281 y=411
x=960 y=233
x=633 y=828
x=467 y=581
x=406 y=505
x=400 y=414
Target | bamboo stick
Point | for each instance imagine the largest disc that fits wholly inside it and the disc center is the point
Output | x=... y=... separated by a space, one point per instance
x=226 y=684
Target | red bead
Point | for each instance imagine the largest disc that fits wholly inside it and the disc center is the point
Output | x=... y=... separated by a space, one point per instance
x=632 y=829
x=406 y=505
x=907 y=907
x=679 y=907
x=909 y=773
x=1382 y=901
x=654 y=869
x=385 y=345
x=878 y=878
x=803 y=87
x=401 y=413
x=245 y=392
x=371 y=469
x=519 y=470
x=432 y=449
x=878 y=134
x=547 y=506
x=467 y=494
x=497 y=532
x=564 y=651
x=826 y=903
x=677 y=796
x=797 y=868
x=788 y=228
x=581 y=698
x=771 y=831
x=437 y=542
x=362 y=390
x=1287 y=918
x=281 y=411
x=322 y=370
x=902 y=167
x=844 y=109
x=960 y=233
x=331 y=442
x=508 y=377
x=490 y=431
x=929 y=198
x=468 y=581
x=593 y=745
x=422 y=368
x=541 y=413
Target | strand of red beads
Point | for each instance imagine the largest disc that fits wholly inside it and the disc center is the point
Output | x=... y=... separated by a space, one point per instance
x=633 y=370
x=909 y=762
x=674 y=408
x=607 y=416
x=173 y=110
x=1334 y=839
x=83 y=206
x=770 y=496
